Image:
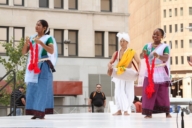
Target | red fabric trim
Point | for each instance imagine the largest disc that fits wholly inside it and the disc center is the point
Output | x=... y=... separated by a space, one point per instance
x=150 y=88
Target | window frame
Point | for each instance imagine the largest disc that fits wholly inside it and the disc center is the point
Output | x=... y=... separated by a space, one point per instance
x=170 y=28
x=176 y=60
x=23 y=33
x=181 y=11
x=190 y=43
x=190 y=10
x=7 y=37
x=77 y=37
x=182 y=29
x=18 y=4
x=76 y=6
x=176 y=14
x=182 y=59
x=116 y=45
x=110 y=6
x=62 y=42
x=7 y=3
x=44 y=7
x=182 y=44
x=103 y=39
x=62 y=2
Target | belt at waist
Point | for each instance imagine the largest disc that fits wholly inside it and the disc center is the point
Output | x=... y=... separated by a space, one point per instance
x=49 y=63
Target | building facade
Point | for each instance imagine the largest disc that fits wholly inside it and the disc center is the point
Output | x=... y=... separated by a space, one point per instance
x=90 y=25
x=175 y=17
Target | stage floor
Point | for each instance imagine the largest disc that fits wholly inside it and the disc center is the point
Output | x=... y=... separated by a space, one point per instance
x=96 y=120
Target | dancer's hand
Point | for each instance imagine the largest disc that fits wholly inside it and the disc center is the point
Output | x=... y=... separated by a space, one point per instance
x=38 y=41
x=110 y=66
x=27 y=40
x=144 y=53
x=155 y=55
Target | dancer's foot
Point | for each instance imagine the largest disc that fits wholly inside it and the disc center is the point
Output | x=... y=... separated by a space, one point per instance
x=42 y=118
x=126 y=113
x=117 y=113
x=33 y=117
x=168 y=116
x=148 y=117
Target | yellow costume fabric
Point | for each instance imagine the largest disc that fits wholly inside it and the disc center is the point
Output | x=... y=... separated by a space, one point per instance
x=125 y=61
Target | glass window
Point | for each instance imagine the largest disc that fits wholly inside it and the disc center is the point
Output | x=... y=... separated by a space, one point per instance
x=58 y=4
x=73 y=4
x=175 y=11
x=182 y=28
x=170 y=28
x=165 y=28
x=170 y=12
x=18 y=34
x=113 y=43
x=182 y=45
x=73 y=45
x=164 y=13
x=182 y=60
x=190 y=24
x=170 y=44
x=18 y=2
x=176 y=44
x=190 y=43
x=176 y=60
x=59 y=37
x=181 y=11
x=4 y=37
x=106 y=5
x=99 y=44
x=44 y=3
x=176 y=28
x=4 y=2
x=190 y=10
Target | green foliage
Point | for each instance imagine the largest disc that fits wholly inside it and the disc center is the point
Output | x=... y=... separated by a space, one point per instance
x=14 y=60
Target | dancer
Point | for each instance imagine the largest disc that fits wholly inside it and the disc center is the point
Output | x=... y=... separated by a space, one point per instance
x=38 y=76
x=155 y=95
x=123 y=75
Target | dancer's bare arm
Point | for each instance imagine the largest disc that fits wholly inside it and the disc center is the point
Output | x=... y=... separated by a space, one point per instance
x=163 y=57
x=111 y=61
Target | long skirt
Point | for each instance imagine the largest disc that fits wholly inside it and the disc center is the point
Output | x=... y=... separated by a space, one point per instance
x=159 y=102
x=39 y=96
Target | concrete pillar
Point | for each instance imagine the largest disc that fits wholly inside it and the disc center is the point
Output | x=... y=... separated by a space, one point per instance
x=66 y=50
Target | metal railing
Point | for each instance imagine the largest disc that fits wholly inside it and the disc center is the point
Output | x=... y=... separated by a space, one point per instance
x=14 y=83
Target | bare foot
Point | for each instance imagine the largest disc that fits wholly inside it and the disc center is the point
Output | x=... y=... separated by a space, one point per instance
x=148 y=117
x=126 y=113
x=168 y=116
x=117 y=113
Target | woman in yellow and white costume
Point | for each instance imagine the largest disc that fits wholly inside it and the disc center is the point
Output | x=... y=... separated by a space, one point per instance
x=123 y=74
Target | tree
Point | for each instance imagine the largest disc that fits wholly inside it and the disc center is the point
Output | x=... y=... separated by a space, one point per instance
x=14 y=60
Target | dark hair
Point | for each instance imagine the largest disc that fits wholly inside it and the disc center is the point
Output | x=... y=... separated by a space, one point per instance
x=162 y=32
x=45 y=24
